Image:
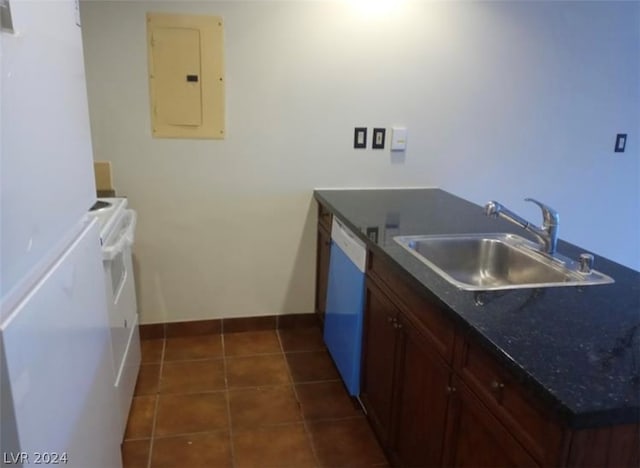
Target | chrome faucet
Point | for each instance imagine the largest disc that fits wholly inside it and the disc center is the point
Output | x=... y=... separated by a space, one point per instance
x=547 y=234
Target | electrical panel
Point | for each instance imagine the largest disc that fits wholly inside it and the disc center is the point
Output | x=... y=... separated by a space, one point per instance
x=186 y=82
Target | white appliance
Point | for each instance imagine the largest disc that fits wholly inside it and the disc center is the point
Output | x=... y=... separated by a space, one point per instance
x=117 y=232
x=56 y=368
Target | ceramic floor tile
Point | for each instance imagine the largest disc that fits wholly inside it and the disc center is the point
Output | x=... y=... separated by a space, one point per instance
x=279 y=446
x=304 y=339
x=194 y=450
x=249 y=343
x=193 y=347
x=151 y=351
x=192 y=376
x=346 y=443
x=197 y=412
x=140 y=422
x=311 y=366
x=192 y=427
x=148 y=379
x=326 y=400
x=254 y=407
x=135 y=453
x=257 y=371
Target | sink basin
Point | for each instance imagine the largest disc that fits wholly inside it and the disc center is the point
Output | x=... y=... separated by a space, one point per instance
x=489 y=262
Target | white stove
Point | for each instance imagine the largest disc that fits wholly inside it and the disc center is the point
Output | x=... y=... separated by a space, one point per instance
x=117 y=233
x=108 y=211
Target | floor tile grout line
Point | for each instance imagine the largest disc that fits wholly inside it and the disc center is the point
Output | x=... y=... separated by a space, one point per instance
x=232 y=451
x=237 y=356
x=305 y=351
x=295 y=393
x=243 y=429
x=192 y=392
x=233 y=356
x=340 y=419
x=306 y=382
x=207 y=358
x=155 y=410
x=187 y=434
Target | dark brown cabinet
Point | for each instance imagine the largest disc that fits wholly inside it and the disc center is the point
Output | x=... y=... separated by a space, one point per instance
x=322 y=271
x=536 y=429
x=476 y=438
x=423 y=413
x=323 y=251
x=423 y=396
x=378 y=370
x=404 y=384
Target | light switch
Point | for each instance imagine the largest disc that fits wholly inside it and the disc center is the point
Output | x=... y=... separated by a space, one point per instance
x=360 y=137
x=378 y=138
x=398 y=139
x=621 y=142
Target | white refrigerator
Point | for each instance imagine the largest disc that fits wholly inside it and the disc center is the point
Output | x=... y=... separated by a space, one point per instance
x=58 y=403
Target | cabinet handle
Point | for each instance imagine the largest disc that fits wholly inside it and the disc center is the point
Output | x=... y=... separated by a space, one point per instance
x=451 y=390
x=496 y=386
x=397 y=325
x=390 y=319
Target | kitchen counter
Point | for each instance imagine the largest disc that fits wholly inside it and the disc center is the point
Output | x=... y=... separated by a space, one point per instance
x=576 y=348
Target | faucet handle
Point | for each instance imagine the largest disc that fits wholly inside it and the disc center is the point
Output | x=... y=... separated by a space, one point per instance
x=585 y=261
x=492 y=208
x=550 y=216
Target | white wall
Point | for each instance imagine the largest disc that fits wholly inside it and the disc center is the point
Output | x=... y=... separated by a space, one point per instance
x=502 y=100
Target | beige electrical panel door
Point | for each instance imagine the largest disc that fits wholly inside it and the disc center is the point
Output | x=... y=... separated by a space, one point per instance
x=176 y=75
x=186 y=76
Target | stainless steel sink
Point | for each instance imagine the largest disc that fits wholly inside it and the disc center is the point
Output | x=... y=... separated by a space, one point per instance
x=489 y=262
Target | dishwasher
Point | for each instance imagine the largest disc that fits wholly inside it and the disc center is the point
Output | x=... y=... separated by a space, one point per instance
x=345 y=303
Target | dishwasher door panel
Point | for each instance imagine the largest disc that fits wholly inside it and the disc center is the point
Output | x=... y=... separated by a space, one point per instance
x=343 y=319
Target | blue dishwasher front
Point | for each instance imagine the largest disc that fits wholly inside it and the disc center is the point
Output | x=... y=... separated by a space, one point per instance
x=345 y=304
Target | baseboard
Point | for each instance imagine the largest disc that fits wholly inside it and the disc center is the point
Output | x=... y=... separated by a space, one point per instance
x=227 y=325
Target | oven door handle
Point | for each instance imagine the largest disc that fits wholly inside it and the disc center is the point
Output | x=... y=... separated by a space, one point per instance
x=126 y=237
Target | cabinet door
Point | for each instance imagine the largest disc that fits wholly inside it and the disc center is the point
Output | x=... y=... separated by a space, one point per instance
x=475 y=438
x=423 y=396
x=322 y=271
x=379 y=349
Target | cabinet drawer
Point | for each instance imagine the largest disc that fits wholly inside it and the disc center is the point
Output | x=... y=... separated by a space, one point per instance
x=324 y=217
x=509 y=401
x=427 y=316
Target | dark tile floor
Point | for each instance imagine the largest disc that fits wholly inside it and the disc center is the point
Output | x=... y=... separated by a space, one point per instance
x=251 y=399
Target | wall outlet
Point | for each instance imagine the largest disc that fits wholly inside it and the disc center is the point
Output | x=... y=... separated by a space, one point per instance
x=621 y=142
x=398 y=139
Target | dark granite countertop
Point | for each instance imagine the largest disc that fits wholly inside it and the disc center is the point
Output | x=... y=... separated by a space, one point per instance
x=577 y=348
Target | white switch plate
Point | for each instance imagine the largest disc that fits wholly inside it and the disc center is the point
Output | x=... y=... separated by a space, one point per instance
x=398 y=139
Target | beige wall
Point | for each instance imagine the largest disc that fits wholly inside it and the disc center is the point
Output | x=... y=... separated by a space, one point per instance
x=502 y=100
